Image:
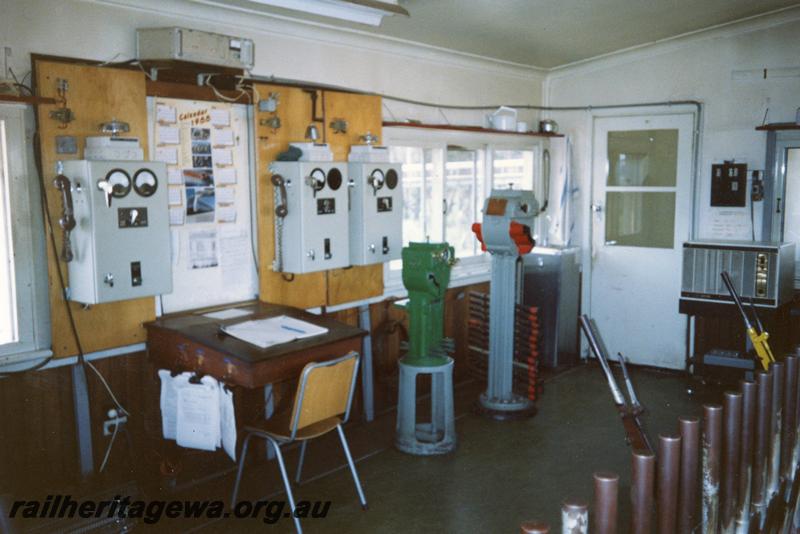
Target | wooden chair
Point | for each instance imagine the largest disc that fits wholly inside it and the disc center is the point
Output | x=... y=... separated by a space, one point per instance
x=321 y=404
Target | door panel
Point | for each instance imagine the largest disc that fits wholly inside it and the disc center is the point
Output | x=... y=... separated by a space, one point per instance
x=641 y=215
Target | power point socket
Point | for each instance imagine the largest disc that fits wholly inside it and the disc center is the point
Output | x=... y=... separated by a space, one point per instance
x=115 y=420
x=757 y=187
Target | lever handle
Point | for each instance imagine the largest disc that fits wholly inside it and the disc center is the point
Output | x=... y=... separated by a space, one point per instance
x=67 y=220
x=108 y=189
x=281 y=210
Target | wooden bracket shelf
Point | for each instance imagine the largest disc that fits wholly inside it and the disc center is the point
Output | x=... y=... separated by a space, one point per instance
x=28 y=99
x=476 y=129
x=778 y=126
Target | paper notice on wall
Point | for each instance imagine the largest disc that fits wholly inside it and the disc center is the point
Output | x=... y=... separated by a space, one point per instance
x=167 y=155
x=223 y=137
x=729 y=224
x=174 y=176
x=226 y=195
x=222 y=156
x=220 y=117
x=175 y=196
x=225 y=176
x=176 y=216
x=199 y=415
x=227 y=419
x=169 y=135
x=203 y=249
x=226 y=214
x=236 y=252
x=166 y=114
x=175 y=247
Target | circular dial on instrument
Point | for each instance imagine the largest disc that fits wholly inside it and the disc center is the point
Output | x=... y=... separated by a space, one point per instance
x=376 y=179
x=334 y=178
x=392 y=179
x=145 y=182
x=120 y=182
x=317 y=179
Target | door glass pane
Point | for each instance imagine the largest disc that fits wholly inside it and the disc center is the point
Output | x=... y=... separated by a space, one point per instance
x=643 y=158
x=637 y=219
x=459 y=193
x=8 y=305
x=513 y=167
x=791 y=231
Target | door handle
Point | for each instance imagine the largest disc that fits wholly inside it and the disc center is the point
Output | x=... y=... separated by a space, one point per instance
x=597 y=208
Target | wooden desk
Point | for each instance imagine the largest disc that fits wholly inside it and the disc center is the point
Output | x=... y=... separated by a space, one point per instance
x=192 y=342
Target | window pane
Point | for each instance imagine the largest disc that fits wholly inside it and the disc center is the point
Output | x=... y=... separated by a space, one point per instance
x=791 y=225
x=459 y=193
x=643 y=158
x=512 y=167
x=411 y=160
x=433 y=206
x=8 y=305
x=636 y=219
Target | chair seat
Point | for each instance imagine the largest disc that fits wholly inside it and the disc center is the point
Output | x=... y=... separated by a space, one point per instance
x=279 y=427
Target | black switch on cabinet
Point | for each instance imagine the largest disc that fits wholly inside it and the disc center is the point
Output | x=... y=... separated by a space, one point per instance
x=136 y=273
x=327 y=249
x=385 y=245
x=729 y=185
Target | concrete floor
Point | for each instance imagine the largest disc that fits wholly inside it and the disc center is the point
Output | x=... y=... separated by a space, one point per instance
x=501 y=474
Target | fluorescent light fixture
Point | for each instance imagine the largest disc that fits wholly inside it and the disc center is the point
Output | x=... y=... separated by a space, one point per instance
x=369 y=12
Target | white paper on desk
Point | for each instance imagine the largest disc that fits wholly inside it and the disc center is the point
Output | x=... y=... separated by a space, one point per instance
x=169 y=401
x=198 y=415
x=273 y=331
x=227 y=419
x=230 y=313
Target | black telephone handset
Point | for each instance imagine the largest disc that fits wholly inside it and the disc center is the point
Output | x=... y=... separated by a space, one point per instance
x=281 y=210
x=67 y=220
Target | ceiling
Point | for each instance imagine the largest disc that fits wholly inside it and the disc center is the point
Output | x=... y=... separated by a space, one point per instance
x=550 y=33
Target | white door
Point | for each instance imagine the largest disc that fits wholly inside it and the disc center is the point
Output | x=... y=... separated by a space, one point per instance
x=641 y=215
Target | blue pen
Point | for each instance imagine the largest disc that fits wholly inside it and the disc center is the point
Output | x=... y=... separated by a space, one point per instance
x=292 y=329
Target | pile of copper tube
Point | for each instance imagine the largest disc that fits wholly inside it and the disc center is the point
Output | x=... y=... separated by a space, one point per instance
x=735 y=470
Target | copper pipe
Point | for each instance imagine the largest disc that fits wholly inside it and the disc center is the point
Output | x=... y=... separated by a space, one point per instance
x=643 y=467
x=574 y=517
x=534 y=527
x=711 y=455
x=761 y=445
x=749 y=394
x=604 y=513
x=731 y=452
x=669 y=461
x=689 y=429
x=774 y=477
x=789 y=417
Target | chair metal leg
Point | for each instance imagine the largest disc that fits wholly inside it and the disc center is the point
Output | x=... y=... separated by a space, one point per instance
x=300 y=461
x=352 y=465
x=239 y=471
x=286 y=484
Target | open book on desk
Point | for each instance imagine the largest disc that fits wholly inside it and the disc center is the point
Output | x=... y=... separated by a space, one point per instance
x=273 y=331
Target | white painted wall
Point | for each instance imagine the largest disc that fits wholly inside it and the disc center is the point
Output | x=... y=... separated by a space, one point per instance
x=285 y=48
x=697 y=67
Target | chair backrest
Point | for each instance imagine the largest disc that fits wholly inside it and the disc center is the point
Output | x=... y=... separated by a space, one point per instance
x=325 y=390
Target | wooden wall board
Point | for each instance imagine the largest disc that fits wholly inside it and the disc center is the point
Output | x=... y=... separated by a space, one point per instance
x=95 y=95
x=363 y=113
x=294 y=112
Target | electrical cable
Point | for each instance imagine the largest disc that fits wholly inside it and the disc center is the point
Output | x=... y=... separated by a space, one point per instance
x=108 y=449
x=45 y=361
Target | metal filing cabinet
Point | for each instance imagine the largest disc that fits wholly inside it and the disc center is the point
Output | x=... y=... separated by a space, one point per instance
x=552 y=277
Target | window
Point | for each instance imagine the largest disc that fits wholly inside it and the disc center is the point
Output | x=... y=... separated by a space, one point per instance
x=446 y=179
x=24 y=317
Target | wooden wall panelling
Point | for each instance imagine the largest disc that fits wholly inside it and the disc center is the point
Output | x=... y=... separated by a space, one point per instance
x=95 y=95
x=362 y=113
x=294 y=111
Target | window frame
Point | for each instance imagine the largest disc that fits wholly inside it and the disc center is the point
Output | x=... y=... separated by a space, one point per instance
x=472 y=269
x=27 y=237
